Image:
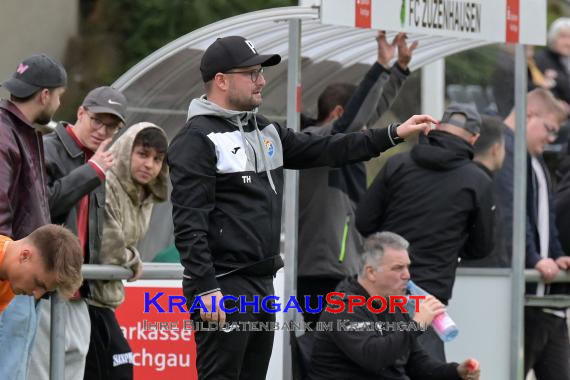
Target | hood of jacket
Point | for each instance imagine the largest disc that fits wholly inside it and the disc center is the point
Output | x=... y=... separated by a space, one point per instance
x=351 y=286
x=121 y=170
x=203 y=107
x=442 y=151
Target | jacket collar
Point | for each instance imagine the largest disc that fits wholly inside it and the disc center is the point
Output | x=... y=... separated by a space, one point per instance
x=556 y=56
x=485 y=169
x=13 y=109
x=68 y=142
x=350 y=285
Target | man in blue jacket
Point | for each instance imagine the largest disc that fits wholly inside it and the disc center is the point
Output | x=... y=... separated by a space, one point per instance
x=547 y=348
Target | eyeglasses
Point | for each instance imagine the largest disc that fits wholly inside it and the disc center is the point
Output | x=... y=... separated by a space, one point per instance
x=552 y=131
x=98 y=124
x=254 y=74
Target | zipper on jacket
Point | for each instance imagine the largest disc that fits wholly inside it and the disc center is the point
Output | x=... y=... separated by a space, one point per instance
x=42 y=167
x=342 y=255
x=254 y=154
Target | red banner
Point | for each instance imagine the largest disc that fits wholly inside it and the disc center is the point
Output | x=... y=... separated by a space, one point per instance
x=363 y=13
x=160 y=351
x=513 y=21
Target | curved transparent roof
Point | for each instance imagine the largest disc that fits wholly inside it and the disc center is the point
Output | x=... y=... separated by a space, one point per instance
x=160 y=87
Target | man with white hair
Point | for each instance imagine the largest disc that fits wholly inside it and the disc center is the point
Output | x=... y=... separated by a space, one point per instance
x=378 y=353
x=552 y=61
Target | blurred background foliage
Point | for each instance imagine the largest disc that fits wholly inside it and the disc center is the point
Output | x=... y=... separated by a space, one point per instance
x=116 y=34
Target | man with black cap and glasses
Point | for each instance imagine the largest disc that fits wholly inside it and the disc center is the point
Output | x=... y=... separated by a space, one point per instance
x=439 y=200
x=35 y=89
x=76 y=161
x=227 y=175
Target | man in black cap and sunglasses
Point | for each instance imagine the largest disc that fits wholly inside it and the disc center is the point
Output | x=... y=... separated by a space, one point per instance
x=227 y=174
x=35 y=89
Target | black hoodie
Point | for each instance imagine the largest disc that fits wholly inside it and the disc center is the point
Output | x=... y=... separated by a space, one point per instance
x=377 y=354
x=440 y=201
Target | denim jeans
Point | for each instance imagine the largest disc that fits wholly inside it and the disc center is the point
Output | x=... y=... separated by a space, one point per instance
x=18 y=325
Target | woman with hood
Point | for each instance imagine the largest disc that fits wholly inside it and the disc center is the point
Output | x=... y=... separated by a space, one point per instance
x=137 y=181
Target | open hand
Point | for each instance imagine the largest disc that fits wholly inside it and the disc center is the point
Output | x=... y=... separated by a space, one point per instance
x=404 y=51
x=386 y=50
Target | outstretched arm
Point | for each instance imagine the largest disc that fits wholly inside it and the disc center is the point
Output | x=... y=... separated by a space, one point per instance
x=378 y=89
x=304 y=150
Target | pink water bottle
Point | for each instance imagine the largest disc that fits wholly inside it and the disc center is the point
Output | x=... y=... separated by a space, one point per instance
x=443 y=325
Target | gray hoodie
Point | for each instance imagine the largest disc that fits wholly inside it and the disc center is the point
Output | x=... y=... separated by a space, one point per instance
x=203 y=107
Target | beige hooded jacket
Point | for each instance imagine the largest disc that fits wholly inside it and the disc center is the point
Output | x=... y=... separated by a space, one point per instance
x=126 y=217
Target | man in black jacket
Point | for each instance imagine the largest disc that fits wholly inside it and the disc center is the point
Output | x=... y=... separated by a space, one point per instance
x=226 y=167
x=361 y=345
x=76 y=162
x=440 y=201
x=489 y=154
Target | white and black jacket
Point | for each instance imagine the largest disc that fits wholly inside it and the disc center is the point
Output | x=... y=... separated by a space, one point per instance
x=226 y=169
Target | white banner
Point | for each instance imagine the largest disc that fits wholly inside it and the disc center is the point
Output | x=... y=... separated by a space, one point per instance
x=515 y=21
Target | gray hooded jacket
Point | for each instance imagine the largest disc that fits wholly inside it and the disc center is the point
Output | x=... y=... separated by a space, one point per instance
x=329 y=243
x=126 y=216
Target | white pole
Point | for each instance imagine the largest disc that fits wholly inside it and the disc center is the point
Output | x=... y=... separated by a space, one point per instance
x=291 y=186
x=519 y=216
x=433 y=88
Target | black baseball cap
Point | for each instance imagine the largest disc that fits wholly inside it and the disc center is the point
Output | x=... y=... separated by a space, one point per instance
x=232 y=52
x=472 y=122
x=106 y=100
x=33 y=74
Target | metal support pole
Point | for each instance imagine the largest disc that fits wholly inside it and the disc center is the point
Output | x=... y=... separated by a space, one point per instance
x=167 y=271
x=433 y=88
x=57 y=339
x=291 y=185
x=519 y=217
x=163 y=271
